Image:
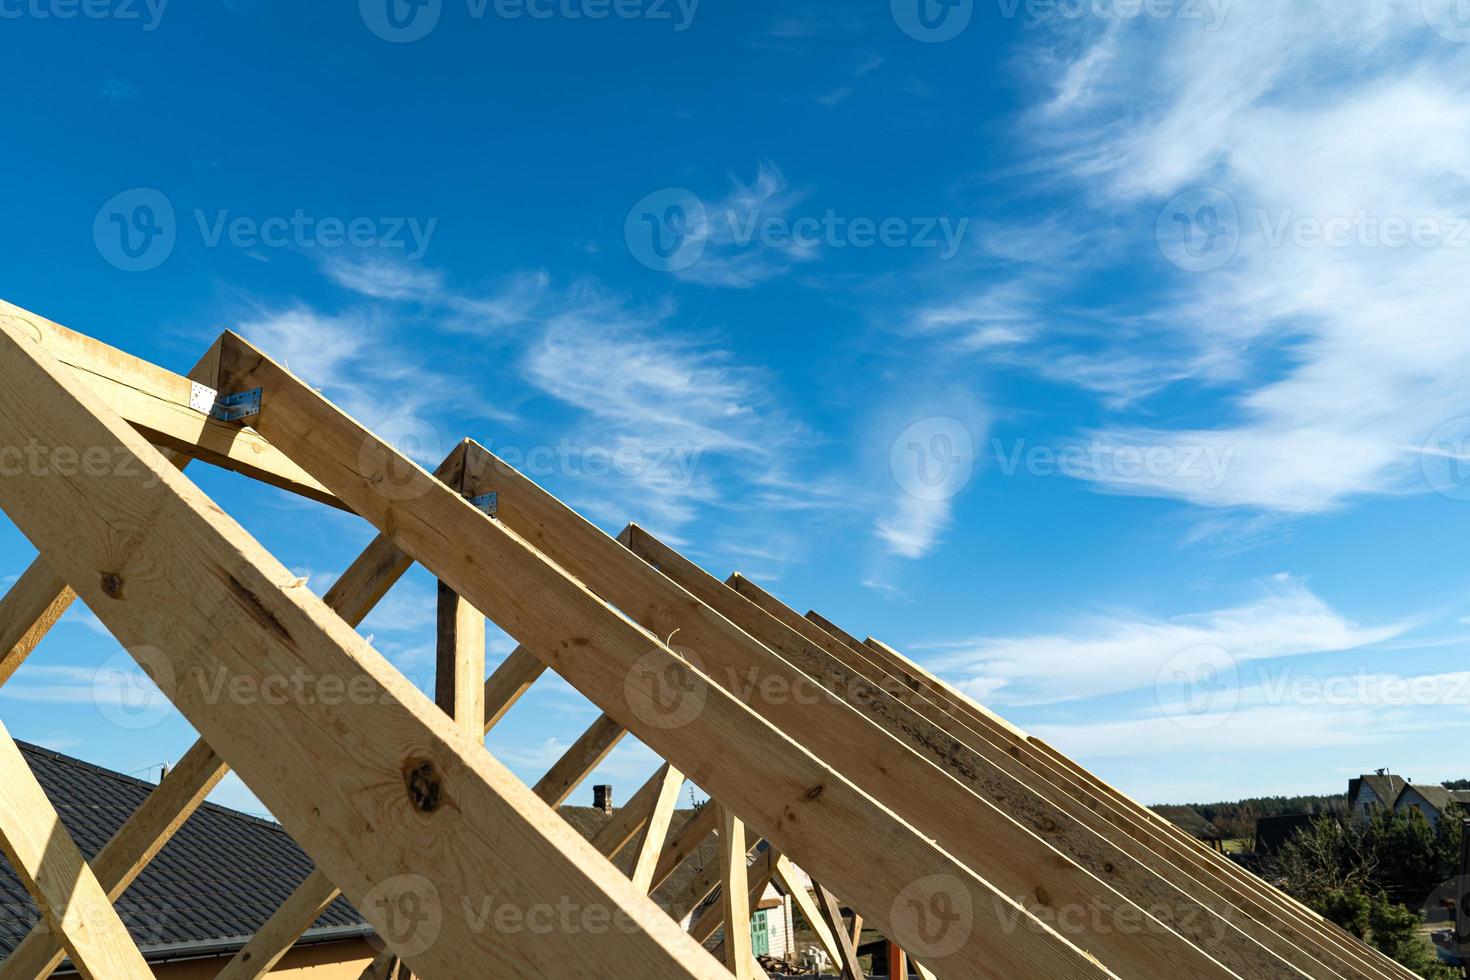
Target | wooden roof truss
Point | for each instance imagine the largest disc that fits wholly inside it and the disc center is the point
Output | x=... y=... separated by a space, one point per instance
x=978 y=851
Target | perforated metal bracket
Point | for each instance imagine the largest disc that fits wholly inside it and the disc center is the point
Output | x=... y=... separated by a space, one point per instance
x=227 y=408
x=488 y=502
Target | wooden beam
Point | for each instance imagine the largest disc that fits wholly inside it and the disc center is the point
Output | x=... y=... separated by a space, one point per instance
x=509 y=683
x=156 y=402
x=811 y=811
x=33 y=605
x=577 y=763
x=735 y=895
x=1262 y=910
x=978 y=806
x=994 y=768
x=130 y=850
x=898 y=963
x=684 y=843
x=459 y=680
x=831 y=911
x=656 y=831
x=376 y=788
x=790 y=880
x=713 y=919
x=179 y=794
x=273 y=940
x=629 y=820
x=52 y=870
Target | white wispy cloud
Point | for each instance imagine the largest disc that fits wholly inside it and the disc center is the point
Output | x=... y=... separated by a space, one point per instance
x=737 y=251
x=1265 y=109
x=1114 y=653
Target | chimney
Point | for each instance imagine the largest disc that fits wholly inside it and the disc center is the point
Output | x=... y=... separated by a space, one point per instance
x=602 y=798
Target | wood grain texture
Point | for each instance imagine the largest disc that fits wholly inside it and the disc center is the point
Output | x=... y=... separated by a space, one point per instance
x=381 y=789
x=805 y=807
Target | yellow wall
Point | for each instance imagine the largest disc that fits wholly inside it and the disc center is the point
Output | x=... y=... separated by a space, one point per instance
x=333 y=961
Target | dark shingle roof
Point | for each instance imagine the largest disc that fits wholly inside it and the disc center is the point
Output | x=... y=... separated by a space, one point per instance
x=1386 y=786
x=1436 y=796
x=219 y=879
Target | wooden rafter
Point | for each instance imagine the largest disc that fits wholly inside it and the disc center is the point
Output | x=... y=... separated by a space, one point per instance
x=1008 y=813
x=735 y=896
x=52 y=870
x=190 y=582
x=656 y=829
x=811 y=811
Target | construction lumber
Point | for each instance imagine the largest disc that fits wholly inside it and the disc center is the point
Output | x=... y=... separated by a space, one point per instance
x=1057 y=813
x=34 y=604
x=584 y=755
x=52 y=870
x=805 y=807
x=656 y=830
x=161 y=566
x=735 y=895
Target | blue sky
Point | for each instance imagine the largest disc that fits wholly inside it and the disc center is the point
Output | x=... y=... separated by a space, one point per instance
x=1107 y=357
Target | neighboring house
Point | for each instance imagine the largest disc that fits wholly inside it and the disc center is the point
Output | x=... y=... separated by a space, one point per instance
x=1384 y=791
x=206 y=893
x=1430 y=801
x=1369 y=794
